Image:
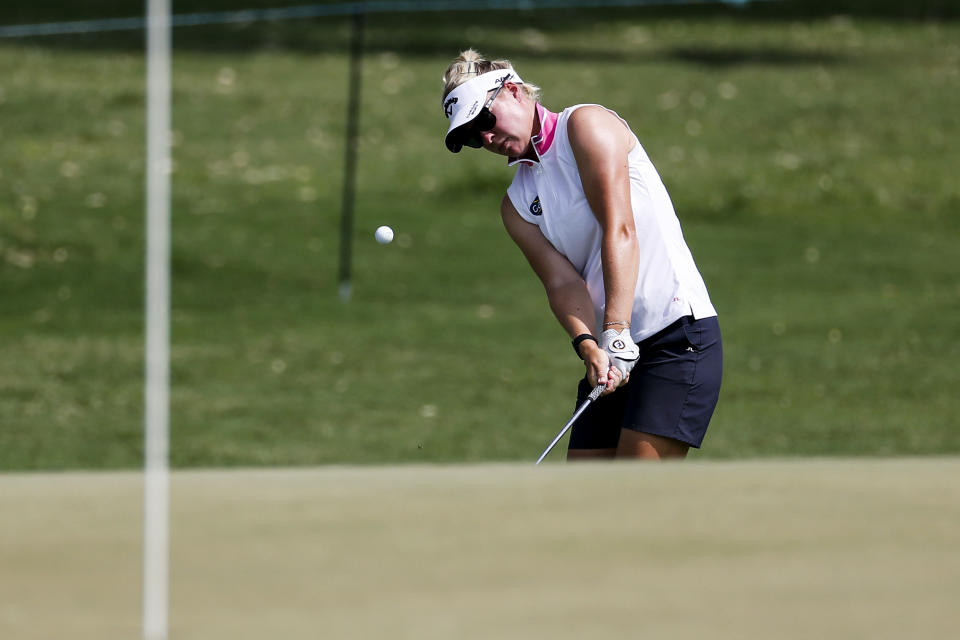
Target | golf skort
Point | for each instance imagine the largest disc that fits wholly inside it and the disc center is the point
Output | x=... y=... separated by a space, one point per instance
x=672 y=392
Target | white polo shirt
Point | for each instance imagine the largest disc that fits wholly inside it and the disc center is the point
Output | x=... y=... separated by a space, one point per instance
x=549 y=194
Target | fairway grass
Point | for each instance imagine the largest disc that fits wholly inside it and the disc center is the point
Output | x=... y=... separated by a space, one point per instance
x=811 y=164
x=774 y=549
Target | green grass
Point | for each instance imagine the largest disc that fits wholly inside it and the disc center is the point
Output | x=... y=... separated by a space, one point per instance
x=811 y=163
x=840 y=548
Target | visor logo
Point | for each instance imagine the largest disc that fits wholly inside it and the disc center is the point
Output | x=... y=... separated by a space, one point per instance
x=448 y=106
x=535 y=207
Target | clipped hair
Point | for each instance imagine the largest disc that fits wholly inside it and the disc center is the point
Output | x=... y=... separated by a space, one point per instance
x=471 y=64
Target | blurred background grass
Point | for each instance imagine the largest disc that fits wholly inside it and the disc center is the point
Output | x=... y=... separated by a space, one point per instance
x=809 y=153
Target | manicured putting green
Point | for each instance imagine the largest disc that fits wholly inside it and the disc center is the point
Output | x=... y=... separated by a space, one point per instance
x=834 y=548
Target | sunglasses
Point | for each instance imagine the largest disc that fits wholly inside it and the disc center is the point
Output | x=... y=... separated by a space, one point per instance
x=469 y=135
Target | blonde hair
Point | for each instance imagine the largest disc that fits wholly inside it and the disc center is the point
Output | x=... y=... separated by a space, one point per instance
x=471 y=64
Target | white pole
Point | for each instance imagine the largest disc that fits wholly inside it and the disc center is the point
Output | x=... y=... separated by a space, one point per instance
x=156 y=520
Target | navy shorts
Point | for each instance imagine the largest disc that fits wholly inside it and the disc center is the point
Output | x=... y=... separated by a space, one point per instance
x=672 y=392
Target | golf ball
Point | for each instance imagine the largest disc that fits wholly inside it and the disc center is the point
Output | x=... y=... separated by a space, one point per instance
x=384 y=235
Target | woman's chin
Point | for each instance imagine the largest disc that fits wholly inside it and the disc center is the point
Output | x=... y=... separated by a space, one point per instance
x=507 y=149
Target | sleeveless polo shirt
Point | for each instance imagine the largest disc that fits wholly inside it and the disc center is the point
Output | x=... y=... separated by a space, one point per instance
x=549 y=194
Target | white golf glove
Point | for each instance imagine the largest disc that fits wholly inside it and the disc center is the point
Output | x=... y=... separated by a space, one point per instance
x=621 y=348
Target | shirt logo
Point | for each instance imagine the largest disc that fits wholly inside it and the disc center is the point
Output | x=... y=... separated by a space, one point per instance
x=448 y=106
x=535 y=207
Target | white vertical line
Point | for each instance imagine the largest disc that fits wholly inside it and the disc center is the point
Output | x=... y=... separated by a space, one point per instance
x=156 y=520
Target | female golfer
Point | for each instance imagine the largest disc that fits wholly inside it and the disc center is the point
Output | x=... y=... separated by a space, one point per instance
x=590 y=213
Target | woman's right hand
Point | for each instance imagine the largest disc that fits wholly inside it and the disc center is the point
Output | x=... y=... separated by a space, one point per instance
x=599 y=371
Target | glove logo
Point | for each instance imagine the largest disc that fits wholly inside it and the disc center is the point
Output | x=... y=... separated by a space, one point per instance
x=619 y=345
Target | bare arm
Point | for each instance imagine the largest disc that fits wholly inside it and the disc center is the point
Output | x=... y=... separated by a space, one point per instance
x=566 y=292
x=601 y=143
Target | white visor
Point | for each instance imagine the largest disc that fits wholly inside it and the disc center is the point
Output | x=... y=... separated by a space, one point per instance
x=464 y=103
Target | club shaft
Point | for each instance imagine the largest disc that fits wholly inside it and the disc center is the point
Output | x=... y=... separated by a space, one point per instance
x=583 y=407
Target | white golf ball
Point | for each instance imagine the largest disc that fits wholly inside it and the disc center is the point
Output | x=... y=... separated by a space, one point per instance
x=384 y=235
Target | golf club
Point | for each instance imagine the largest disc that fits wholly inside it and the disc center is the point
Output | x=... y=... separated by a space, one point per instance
x=590 y=398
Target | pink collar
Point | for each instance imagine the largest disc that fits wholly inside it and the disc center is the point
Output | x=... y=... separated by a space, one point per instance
x=543 y=140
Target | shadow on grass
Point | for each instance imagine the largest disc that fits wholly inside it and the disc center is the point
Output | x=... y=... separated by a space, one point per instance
x=443 y=35
x=251 y=41
x=40 y=11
